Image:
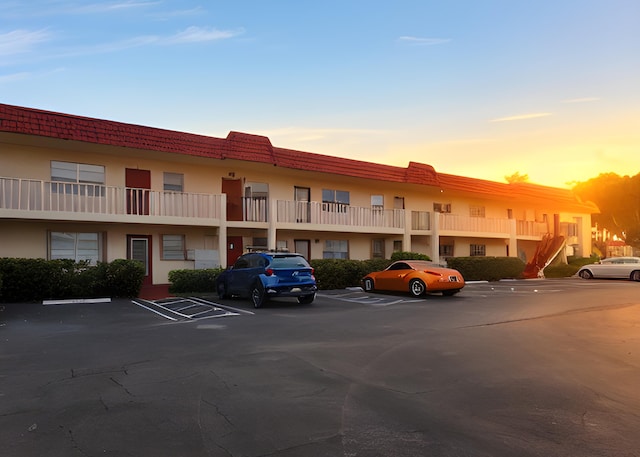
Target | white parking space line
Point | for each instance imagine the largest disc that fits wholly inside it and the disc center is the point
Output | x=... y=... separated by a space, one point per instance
x=358 y=297
x=154 y=311
x=179 y=309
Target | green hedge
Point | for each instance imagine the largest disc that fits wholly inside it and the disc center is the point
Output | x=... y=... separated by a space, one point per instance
x=190 y=281
x=27 y=280
x=487 y=268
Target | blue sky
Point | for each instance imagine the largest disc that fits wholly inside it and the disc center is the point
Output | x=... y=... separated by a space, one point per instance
x=482 y=89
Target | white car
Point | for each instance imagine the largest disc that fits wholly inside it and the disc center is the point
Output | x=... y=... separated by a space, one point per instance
x=613 y=267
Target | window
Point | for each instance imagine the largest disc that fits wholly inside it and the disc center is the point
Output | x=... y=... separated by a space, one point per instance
x=377 y=248
x=398 y=202
x=173 y=182
x=173 y=247
x=397 y=245
x=477 y=250
x=335 y=196
x=336 y=249
x=476 y=211
x=258 y=190
x=87 y=179
x=446 y=250
x=76 y=246
x=377 y=202
x=442 y=207
x=335 y=200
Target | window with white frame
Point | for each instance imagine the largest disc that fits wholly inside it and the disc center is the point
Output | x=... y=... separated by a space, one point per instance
x=173 y=182
x=377 y=202
x=335 y=200
x=477 y=250
x=336 y=249
x=79 y=178
x=173 y=247
x=476 y=211
x=377 y=248
x=442 y=207
x=77 y=246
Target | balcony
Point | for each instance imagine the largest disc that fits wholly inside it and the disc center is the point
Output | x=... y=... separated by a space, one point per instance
x=420 y=220
x=531 y=229
x=338 y=214
x=474 y=225
x=94 y=202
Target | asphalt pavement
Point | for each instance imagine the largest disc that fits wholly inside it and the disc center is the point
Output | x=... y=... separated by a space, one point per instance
x=522 y=368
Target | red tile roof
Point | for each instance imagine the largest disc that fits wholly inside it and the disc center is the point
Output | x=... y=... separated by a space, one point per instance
x=255 y=148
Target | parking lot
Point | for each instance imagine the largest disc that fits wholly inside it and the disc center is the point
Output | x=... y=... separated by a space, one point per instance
x=523 y=368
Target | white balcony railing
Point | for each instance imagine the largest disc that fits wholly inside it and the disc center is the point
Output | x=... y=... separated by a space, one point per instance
x=456 y=223
x=420 y=220
x=254 y=209
x=338 y=214
x=531 y=228
x=35 y=195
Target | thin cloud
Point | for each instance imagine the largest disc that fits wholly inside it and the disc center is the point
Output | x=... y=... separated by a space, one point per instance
x=14 y=77
x=581 y=100
x=112 y=6
x=521 y=117
x=21 y=41
x=417 y=41
x=201 y=34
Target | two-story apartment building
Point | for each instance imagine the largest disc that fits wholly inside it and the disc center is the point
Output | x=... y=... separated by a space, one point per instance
x=92 y=189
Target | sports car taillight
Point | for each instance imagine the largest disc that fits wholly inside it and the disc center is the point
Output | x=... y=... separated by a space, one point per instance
x=268 y=272
x=435 y=273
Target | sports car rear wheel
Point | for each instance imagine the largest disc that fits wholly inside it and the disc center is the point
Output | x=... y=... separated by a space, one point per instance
x=586 y=274
x=417 y=287
x=635 y=276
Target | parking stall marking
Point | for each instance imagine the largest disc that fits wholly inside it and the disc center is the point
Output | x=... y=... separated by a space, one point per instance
x=365 y=299
x=188 y=309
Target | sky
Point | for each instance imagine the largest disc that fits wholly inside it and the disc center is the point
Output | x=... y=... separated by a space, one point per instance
x=483 y=89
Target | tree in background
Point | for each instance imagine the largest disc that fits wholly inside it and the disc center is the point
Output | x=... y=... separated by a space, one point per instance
x=516 y=178
x=618 y=198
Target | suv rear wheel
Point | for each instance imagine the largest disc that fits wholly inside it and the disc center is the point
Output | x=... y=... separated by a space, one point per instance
x=257 y=295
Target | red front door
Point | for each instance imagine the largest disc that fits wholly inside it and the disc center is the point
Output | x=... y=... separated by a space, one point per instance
x=233 y=189
x=234 y=249
x=138 y=183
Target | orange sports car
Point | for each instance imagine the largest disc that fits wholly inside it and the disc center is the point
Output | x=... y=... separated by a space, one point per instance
x=417 y=277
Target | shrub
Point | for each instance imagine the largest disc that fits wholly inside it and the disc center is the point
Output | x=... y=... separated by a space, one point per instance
x=26 y=280
x=404 y=255
x=337 y=273
x=124 y=278
x=189 y=281
x=487 y=268
x=560 y=271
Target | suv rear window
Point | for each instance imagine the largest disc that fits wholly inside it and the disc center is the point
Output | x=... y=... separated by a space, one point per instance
x=293 y=261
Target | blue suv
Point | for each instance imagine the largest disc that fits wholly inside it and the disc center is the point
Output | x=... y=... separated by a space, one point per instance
x=262 y=275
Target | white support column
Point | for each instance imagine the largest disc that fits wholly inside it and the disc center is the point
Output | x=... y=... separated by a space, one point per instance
x=513 y=238
x=435 y=236
x=222 y=231
x=272 y=218
x=406 y=237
